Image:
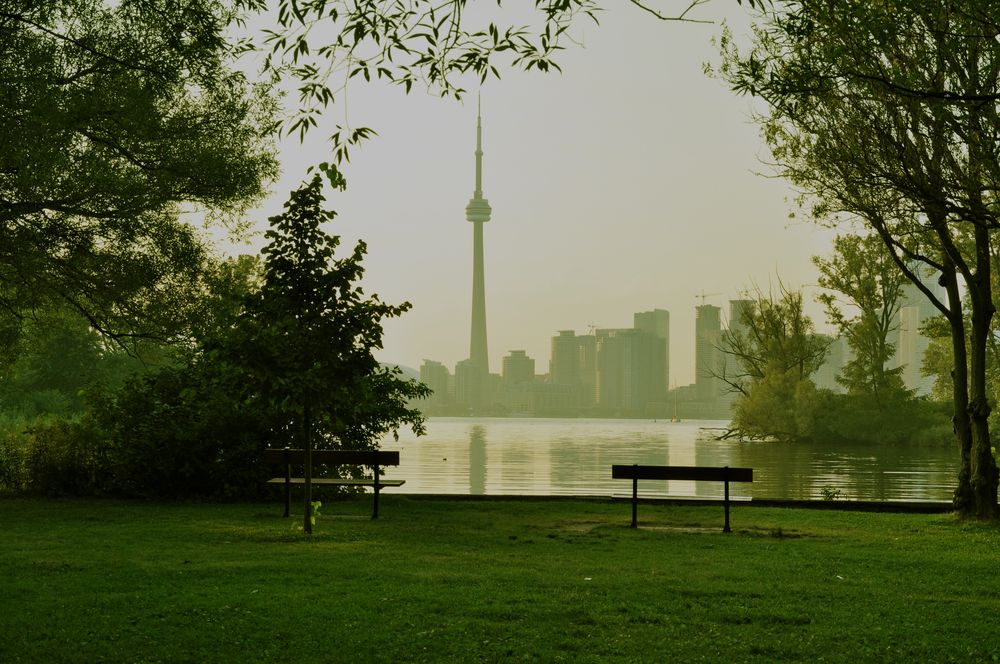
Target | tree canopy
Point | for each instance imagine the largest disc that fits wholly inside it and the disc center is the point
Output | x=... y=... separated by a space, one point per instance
x=115 y=118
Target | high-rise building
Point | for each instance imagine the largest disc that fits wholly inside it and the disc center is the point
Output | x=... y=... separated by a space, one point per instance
x=573 y=364
x=564 y=362
x=630 y=376
x=657 y=322
x=610 y=370
x=518 y=368
x=708 y=336
x=437 y=377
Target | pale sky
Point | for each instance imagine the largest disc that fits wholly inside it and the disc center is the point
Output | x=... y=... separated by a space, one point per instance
x=629 y=182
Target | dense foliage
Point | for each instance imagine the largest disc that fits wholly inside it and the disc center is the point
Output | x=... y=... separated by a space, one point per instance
x=115 y=118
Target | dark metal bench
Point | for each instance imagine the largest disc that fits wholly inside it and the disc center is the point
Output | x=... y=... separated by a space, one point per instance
x=288 y=457
x=636 y=472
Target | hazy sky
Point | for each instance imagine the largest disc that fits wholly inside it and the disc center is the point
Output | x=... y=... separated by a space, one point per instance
x=626 y=183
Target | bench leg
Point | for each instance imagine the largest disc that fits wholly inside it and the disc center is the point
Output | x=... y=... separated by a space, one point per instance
x=288 y=496
x=635 y=502
x=726 y=529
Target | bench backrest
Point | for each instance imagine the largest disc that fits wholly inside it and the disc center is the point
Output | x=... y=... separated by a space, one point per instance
x=333 y=457
x=696 y=473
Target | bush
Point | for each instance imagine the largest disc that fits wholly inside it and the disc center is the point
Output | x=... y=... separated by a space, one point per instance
x=179 y=433
x=63 y=457
x=13 y=454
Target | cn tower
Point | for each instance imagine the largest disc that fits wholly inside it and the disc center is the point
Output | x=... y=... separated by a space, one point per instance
x=478 y=212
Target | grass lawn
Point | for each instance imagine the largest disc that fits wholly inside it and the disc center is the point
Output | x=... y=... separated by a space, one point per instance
x=461 y=580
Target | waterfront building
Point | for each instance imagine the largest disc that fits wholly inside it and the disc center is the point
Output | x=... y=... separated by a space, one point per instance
x=707 y=356
x=630 y=376
x=564 y=360
x=437 y=377
x=518 y=368
x=657 y=322
x=471 y=383
x=573 y=364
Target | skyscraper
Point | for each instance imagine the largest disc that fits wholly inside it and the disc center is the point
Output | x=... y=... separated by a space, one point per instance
x=708 y=333
x=478 y=212
x=657 y=323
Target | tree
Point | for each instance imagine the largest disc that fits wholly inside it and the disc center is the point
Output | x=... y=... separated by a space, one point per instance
x=864 y=274
x=115 y=118
x=887 y=113
x=305 y=340
x=774 y=351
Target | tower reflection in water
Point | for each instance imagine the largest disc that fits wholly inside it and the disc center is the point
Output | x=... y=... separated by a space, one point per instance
x=477 y=460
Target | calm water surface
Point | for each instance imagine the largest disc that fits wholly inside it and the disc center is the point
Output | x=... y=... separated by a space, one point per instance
x=511 y=456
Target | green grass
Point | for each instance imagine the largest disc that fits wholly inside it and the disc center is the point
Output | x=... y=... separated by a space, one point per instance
x=454 y=580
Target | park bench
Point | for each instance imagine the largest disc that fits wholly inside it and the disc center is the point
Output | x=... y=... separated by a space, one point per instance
x=635 y=472
x=374 y=459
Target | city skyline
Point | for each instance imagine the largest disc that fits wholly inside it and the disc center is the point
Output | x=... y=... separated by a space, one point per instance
x=624 y=184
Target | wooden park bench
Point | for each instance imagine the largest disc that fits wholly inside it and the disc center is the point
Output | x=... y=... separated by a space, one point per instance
x=374 y=459
x=724 y=474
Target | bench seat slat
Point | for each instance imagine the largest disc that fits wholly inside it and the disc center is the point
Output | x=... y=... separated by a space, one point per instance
x=334 y=457
x=694 y=473
x=338 y=481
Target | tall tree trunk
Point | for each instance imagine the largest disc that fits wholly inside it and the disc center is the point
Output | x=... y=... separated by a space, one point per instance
x=962 y=500
x=983 y=468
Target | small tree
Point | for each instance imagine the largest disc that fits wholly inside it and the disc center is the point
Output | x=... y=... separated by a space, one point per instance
x=774 y=351
x=306 y=338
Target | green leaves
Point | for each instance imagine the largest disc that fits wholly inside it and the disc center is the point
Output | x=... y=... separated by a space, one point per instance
x=112 y=117
x=403 y=42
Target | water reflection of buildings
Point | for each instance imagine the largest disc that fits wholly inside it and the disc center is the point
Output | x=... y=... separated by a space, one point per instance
x=477 y=460
x=574 y=457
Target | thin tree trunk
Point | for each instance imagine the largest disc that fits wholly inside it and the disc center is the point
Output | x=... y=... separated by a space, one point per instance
x=307 y=439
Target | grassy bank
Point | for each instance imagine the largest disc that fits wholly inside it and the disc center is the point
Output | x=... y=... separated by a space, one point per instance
x=440 y=580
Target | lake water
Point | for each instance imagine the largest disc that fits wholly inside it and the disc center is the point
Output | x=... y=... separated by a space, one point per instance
x=530 y=456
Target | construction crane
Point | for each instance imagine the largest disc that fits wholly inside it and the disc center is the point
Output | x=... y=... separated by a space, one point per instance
x=704 y=295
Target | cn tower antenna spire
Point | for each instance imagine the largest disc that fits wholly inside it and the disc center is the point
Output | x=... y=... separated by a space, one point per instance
x=479 y=149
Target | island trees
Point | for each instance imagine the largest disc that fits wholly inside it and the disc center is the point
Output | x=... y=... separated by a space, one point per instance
x=772 y=351
x=887 y=113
